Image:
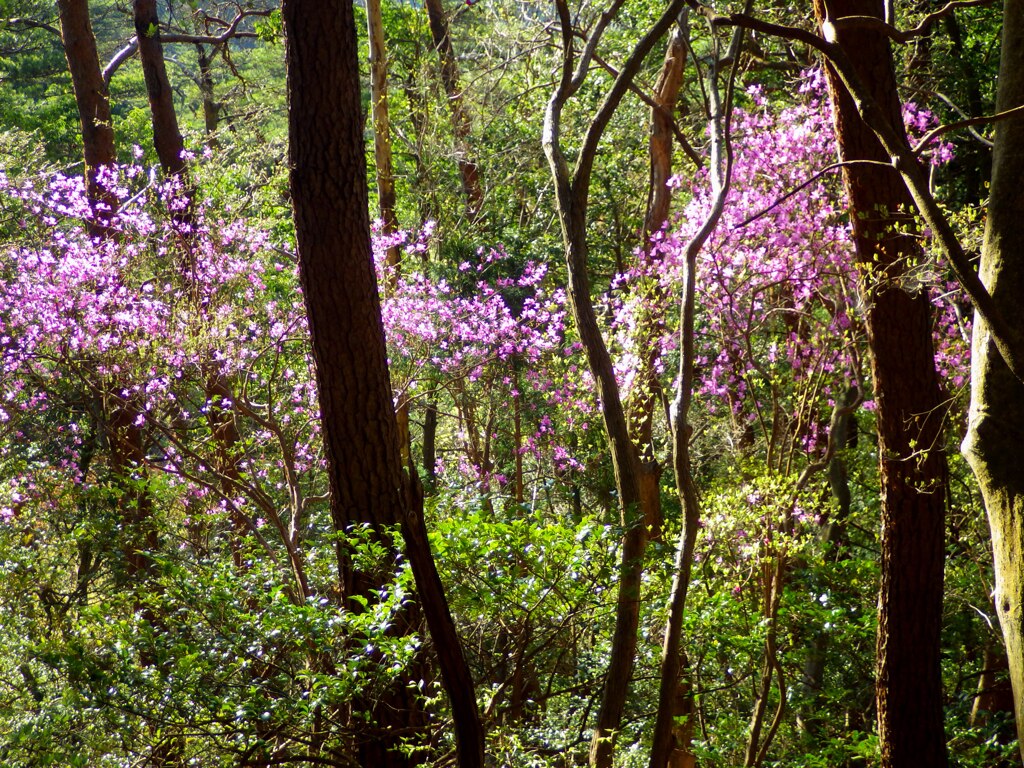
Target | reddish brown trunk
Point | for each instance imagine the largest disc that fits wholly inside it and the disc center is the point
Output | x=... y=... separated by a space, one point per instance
x=211 y=107
x=913 y=463
x=167 y=139
x=666 y=94
x=93 y=103
x=368 y=486
x=645 y=397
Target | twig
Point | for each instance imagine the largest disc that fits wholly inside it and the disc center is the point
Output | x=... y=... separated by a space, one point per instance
x=804 y=185
x=982 y=120
x=904 y=36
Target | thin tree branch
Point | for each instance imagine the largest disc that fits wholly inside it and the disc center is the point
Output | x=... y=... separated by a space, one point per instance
x=827 y=169
x=984 y=119
x=230 y=33
x=904 y=36
x=647 y=99
x=588 y=152
x=31 y=24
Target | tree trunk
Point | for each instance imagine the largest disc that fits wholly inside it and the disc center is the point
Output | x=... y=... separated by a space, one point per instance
x=93 y=103
x=382 y=130
x=367 y=482
x=468 y=170
x=167 y=139
x=665 y=744
x=572 y=192
x=211 y=107
x=996 y=423
x=912 y=460
x=662 y=141
x=645 y=396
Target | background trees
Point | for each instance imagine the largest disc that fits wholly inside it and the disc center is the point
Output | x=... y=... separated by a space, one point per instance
x=277 y=621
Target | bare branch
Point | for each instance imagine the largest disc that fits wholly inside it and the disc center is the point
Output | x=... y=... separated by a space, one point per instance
x=984 y=119
x=827 y=169
x=647 y=99
x=230 y=32
x=591 y=47
x=119 y=58
x=585 y=164
x=963 y=115
x=904 y=36
x=31 y=24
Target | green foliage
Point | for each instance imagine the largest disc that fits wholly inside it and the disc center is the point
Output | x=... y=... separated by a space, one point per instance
x=213 y=657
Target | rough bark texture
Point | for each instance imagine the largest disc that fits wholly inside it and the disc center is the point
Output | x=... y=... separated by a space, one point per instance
x=166 y=136
x=645 y=397
x=909 y=416
x=92 y=100
x=996 y=423
x=666 y=94
x=211 y=107
x=367 y=482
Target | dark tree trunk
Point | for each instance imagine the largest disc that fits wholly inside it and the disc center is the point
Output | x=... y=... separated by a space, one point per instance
x=909 y=412
x=93 y=103
x=211 y=107
x=167 y=139
x=367 y=482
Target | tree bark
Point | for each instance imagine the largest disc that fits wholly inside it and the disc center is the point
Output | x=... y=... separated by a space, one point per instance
x=170 y=147
x=93 y=103
x=367 y=482
x=211 y=107
x=666 y=746
x=912 y=462
x=572 y=191
x=662 y=141
x=996 y=422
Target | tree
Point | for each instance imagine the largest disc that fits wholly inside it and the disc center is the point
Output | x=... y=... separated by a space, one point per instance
x=92 y=99
x=996 y=422
x=381 y=126
x=368 y=484
x=468 y=170
x=572 y=193
x=911 y=455
x=167 y=139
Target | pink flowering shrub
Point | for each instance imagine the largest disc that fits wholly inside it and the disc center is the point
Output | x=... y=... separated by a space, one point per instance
x=190 y=321
x=779 y=332
x=489 y=347
x=146 y=320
